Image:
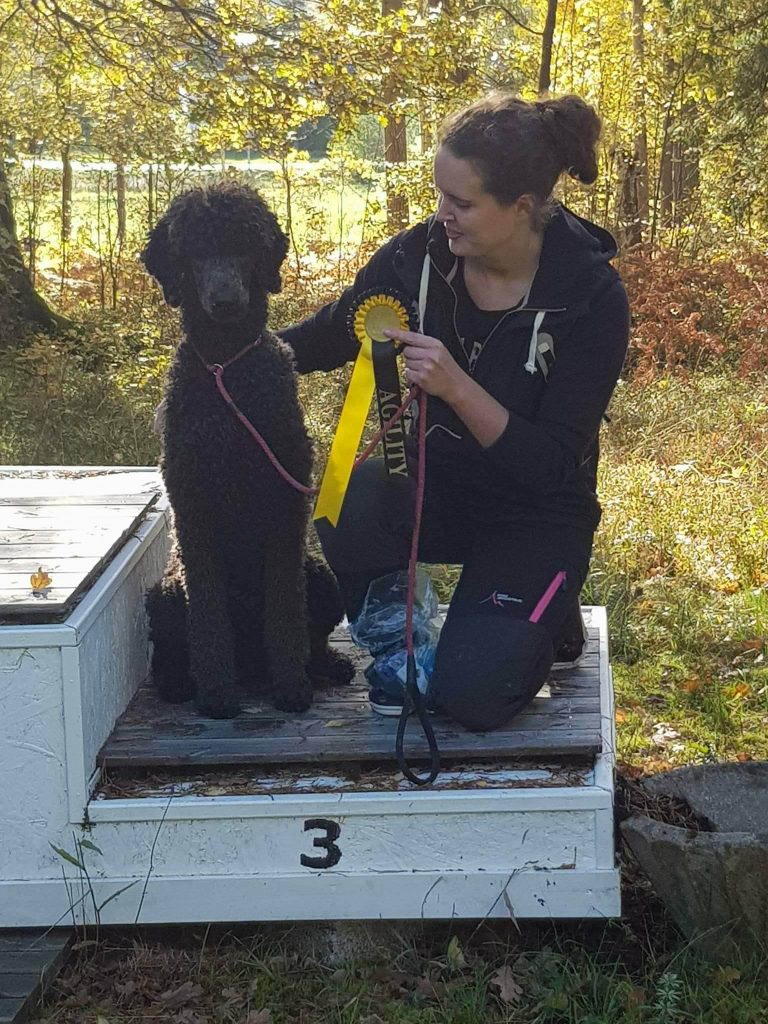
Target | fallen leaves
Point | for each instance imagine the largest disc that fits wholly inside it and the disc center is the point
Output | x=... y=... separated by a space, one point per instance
x=692 y=684
x=504 y=981
x=259 y=1017
x=663 y=733
x=429 y=989
x=455 y=958
x=727 y=975
x=187 y=993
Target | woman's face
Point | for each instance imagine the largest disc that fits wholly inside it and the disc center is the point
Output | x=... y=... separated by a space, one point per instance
x=475 y=222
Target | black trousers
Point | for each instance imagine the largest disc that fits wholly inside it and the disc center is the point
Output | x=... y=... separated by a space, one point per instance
x=491 y=660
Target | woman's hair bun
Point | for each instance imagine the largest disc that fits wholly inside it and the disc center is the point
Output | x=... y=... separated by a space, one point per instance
x=574 y=129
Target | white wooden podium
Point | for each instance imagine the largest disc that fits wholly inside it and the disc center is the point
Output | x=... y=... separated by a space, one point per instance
x=519 y=825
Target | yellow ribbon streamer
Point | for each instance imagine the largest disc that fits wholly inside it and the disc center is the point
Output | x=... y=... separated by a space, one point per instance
x=371 y=318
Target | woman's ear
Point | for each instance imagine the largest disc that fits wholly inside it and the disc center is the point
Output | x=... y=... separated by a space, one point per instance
x=159 y=262
x=526 y=204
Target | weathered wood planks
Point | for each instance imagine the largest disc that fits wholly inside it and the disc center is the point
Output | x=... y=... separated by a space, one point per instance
x=69 y=525
x=29 y=960
x=563 y=721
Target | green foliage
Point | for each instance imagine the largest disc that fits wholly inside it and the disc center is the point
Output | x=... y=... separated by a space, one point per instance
x=85 y=397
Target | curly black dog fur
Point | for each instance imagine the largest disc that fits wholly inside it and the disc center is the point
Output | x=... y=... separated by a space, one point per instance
x=241 y=603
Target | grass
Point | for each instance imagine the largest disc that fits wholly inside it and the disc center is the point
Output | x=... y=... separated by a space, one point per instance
x=681 y=561
x=456 y=975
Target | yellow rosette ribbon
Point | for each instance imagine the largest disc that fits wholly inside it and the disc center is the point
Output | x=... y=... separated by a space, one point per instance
x=370 y=316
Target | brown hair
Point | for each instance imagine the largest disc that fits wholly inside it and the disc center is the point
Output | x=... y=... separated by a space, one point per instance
x=521 y=148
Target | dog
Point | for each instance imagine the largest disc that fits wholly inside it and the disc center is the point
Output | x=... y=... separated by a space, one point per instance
x=242 y=605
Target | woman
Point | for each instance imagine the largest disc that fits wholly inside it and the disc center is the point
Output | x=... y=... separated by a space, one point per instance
x=525 y=332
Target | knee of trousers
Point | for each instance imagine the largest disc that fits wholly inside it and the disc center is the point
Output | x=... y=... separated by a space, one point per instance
x=376 y=512
x=488 y=667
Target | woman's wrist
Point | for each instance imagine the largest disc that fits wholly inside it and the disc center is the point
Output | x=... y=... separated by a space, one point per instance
x=485 y=418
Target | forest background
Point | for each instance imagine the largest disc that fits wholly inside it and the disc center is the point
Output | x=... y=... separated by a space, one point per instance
x=109 y=108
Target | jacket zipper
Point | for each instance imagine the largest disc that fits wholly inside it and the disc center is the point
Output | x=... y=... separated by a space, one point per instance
x=479 y=346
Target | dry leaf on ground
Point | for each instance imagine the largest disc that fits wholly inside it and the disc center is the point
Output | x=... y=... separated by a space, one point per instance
x=186 y=993
x=504 y=982
x=426 y=988
x=259 y=1017
x=455 y=955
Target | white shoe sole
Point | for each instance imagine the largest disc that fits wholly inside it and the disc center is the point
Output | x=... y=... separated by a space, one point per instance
x=386 y=710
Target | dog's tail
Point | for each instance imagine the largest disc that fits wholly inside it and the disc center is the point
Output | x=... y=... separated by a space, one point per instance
x=324 y=604
x=166 y=605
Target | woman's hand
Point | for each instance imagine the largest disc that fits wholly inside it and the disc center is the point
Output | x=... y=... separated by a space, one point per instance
x=429 y=364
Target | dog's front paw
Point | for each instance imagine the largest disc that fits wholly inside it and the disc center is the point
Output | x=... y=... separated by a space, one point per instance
x=173 y=689
x=331 y=668
x=297 y=698
x=215 y=707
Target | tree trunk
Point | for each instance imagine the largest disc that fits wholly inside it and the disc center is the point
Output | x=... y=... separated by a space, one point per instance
x=66 y=209
x=122 y=214
x=395 y=153
x=666 y=183
x=641 y=132
x=427 y=129
x=545 y=68
x=21 y=308
x=395 y=150
x=628 y=225
x=150 y=197
x=688 y=156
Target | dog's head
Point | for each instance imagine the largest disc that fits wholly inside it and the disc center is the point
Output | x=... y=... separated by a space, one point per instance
x=220 y=248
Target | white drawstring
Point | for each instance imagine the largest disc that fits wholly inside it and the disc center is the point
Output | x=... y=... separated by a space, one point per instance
x=423 y=287
x=532 y=348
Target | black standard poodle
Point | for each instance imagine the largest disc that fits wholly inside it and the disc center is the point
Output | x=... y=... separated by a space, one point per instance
x=241 y=605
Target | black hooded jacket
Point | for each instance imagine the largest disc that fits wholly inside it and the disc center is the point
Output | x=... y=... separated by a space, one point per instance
x=552 y=363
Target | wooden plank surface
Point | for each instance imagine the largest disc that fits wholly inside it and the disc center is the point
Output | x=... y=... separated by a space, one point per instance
x=79 y=481
x=562 y=721
x=70 y=525
x=28 y=963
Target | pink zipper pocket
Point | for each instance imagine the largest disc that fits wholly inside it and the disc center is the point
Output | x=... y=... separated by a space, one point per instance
x=546 y=598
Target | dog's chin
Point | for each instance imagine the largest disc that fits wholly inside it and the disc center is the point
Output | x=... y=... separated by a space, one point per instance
x=227 y=319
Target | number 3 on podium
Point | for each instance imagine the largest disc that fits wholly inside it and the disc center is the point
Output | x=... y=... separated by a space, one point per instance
x=332 y=855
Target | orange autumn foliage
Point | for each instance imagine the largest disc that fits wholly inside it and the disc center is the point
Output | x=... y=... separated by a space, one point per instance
x=690 y=314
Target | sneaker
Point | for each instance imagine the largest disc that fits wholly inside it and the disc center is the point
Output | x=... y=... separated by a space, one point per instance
x=388 y=700
x=385 y=701
x=572 y=642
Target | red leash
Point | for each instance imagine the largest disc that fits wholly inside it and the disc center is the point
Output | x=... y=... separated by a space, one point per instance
x=413 y=699
x=217 y=369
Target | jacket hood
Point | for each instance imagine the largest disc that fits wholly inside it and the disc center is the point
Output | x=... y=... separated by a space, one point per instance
x=573 y=252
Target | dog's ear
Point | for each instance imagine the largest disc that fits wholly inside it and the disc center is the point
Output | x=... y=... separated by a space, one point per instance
x=158 y=260
x=273 y=256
